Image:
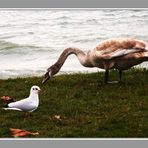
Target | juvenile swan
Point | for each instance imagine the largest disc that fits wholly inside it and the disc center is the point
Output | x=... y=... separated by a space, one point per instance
x=118 y=53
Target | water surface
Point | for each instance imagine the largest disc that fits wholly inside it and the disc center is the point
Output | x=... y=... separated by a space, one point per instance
x=32 y=40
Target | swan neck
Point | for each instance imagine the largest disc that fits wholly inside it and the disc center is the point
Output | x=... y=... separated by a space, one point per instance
x=82 y=57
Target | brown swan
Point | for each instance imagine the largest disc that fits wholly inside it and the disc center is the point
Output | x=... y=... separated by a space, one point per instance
x=117 y=53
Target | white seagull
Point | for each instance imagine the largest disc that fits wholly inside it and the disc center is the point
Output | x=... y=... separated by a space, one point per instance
x=28 y=104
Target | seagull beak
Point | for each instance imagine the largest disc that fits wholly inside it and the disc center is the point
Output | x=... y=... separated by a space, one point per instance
x=46 y=77
x=39 y=90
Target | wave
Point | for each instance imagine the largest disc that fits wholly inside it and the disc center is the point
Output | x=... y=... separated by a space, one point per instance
x=6 y=74
x=9 y=48
x=5 y=45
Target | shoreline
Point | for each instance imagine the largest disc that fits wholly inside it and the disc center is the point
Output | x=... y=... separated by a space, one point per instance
x=70 y=73
x=139 y=67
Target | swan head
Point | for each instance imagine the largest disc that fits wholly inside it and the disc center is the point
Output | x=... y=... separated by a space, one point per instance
x=51 y=71
x=46 y=76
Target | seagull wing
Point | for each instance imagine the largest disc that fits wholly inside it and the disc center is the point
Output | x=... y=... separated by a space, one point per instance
x=12 y=109
x=22 y=105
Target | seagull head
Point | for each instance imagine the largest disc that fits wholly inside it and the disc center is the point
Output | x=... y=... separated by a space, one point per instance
x=35 y=89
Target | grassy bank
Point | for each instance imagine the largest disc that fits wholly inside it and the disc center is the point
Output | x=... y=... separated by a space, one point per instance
x=87 y=107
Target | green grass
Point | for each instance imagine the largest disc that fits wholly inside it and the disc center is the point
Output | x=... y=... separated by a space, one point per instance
x=87 y=107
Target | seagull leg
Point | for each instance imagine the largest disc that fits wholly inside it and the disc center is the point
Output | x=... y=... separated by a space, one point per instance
x=25 y=114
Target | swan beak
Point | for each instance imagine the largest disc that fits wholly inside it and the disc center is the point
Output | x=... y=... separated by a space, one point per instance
x=46 y=77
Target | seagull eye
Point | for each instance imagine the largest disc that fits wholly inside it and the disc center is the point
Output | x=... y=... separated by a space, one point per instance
x=35 y=89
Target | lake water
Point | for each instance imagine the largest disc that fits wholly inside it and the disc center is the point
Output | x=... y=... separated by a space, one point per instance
x=32 y=40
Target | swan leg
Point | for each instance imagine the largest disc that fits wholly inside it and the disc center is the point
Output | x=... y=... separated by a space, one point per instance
x=120 y=75
x=106 y=76
x=112 y=82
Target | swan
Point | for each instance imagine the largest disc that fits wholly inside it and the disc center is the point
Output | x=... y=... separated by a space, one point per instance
x=115 y=53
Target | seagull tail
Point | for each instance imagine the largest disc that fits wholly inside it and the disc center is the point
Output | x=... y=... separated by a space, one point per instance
x=10 y=108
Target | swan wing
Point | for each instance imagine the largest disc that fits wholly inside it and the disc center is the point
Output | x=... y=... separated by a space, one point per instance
x=121 y=53
x=113 y=48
